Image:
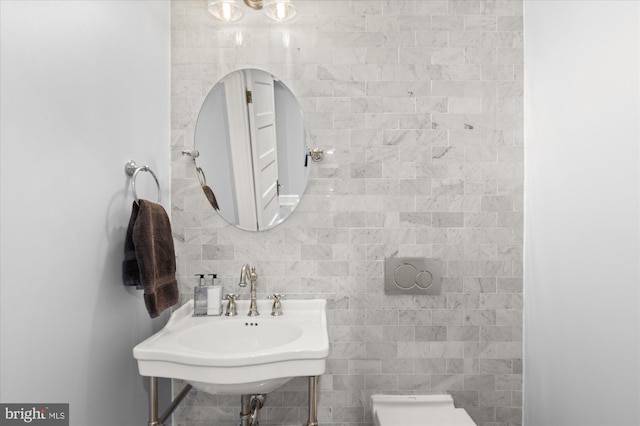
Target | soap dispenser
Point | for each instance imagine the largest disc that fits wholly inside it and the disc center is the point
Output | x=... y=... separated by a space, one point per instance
x=214 y=297
x=200 y=296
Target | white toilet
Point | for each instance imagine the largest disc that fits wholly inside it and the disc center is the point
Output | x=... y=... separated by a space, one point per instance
x=417 y=410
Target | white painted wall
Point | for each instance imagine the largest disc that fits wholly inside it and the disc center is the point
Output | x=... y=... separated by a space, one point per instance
x=582 y=278
x=85 y=86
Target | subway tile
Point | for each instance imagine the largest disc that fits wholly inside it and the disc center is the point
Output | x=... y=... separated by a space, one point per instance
x=483 y=415
x=430 y=365
x=347 y=414
x=347 y=350
x=382 y=24
x=447 y=55
x=349 y=23
x=508 y=382
x=479 y=350
x=490 y=398
x=397 y=366
x=446 y=349
x=480 y=284
x=495 y=366
x=366 y=8
x=498 y=72
x=368 y=333
x=430 y=39
x=432 y=7
x=385 y=350
x=447 y=317
x=499 y=7
x=510 y=415
x=417 y=318
x=480 y=317
x=462 y=366
x=430 y=333
x=447 y=23
x=480 y=23
x=447 y=220
x=414 y=383
x=348 y=382
x=379 y=55
x=381 y=382
x=447 y=382
x=364 y=366
x=398 y=8
x=509 y=349
x=479 y=382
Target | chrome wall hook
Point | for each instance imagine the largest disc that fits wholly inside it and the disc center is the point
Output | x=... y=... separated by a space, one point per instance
x=191 y=153
x=317 y=154
x=132 y=169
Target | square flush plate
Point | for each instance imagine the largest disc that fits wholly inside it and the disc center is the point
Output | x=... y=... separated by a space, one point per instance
x=412 y=275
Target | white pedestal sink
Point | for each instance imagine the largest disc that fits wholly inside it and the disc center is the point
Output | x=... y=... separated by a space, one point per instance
x=239 y=355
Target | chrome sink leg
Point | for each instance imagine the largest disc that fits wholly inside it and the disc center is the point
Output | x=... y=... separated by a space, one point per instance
x=313 y=401
x=154 y=419
x=153 y=401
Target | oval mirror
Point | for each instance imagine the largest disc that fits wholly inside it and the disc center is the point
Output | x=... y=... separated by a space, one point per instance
x=253 y=155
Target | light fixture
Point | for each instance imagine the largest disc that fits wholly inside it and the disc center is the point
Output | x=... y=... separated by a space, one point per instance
x=225 y=10
x=229 y=11
x=279 y=10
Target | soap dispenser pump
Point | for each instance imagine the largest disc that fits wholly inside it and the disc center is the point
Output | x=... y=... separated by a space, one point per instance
x=200 y=296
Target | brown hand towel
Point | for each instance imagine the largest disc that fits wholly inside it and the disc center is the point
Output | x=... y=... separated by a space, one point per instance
x=155 y=258
x=130 y=270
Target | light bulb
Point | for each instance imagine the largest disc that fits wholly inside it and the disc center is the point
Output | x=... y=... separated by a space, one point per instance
x=226 y=11
x=281 y=12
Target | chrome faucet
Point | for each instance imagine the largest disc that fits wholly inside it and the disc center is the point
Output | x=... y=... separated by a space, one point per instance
x=253 y=278
x=244 y=272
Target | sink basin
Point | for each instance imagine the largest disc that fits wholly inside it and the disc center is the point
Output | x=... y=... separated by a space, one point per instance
x=241 y=354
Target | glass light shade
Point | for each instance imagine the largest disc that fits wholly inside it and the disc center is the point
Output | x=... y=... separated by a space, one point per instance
x=225 y=10
x=279 y=10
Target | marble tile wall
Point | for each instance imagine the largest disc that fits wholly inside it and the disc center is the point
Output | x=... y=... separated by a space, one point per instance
x=419 y=106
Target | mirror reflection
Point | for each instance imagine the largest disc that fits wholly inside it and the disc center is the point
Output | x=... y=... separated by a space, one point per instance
x=253 y=162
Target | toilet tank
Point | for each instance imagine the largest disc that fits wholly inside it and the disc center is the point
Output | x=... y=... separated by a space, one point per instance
x=418 y=410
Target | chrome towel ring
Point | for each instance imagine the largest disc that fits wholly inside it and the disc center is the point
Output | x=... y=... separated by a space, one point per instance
x=132 y=169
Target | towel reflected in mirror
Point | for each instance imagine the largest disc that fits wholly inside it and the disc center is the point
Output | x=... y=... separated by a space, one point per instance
x=207 y=189
x=211 y=197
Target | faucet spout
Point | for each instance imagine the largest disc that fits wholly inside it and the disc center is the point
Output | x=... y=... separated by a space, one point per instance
x=244 y=273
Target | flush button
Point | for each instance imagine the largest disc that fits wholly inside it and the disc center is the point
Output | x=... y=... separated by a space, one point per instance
x=424 y=279
x=405 y=275
x=412 y=275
